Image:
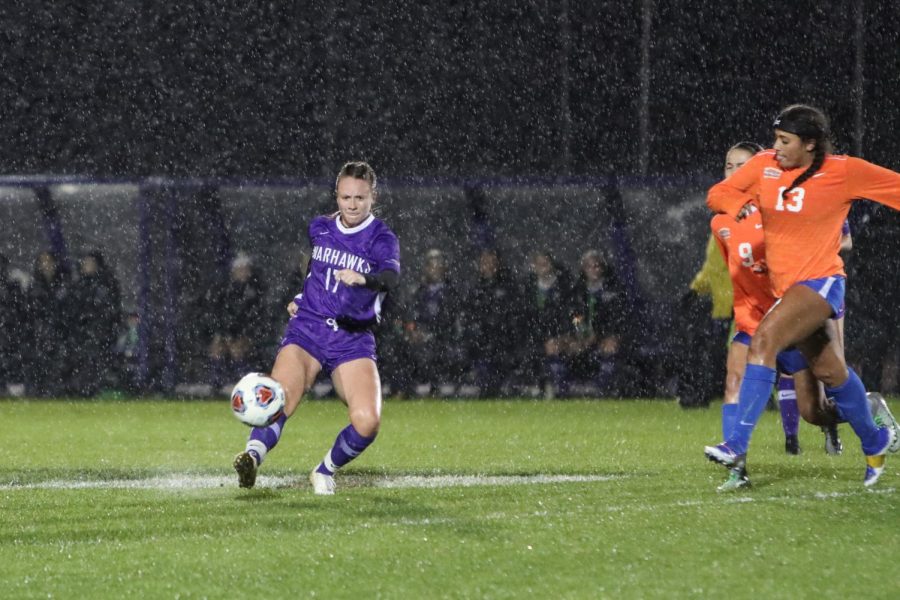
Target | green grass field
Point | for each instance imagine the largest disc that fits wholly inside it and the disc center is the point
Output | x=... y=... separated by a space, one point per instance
x=138 y=500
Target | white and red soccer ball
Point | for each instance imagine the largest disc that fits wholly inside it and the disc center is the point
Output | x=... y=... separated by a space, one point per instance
x=257 y=400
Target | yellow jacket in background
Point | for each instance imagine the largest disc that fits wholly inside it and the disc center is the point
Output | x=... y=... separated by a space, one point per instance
x=713 y=280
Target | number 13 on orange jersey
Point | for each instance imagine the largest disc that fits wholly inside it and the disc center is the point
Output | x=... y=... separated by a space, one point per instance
x=794 y=202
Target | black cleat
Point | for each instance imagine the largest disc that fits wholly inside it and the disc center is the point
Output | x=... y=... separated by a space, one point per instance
x=833 y=444
x=246 y=467
x=792 y=444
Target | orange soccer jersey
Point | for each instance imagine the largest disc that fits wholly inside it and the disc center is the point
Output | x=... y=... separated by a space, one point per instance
x=742 y=244
x=803 y=229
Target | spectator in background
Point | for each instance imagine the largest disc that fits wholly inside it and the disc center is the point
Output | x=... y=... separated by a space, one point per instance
x=548 y=315
x=482 y=234
x=493 y=336
x=242 y=330
x=15 y=329
x=128 y=352
x=293 y=283
x=395 y=358
x=595 y=351
x=96 y=303
x=713 y=280
x=287 y=289
x=49 y=307
x=432 y=331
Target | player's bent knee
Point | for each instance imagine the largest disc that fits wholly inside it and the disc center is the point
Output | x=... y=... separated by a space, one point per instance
x=763 y=349
x=366 y=422
x=831 y=376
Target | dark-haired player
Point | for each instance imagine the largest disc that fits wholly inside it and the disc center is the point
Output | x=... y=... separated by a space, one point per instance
x=804 y=193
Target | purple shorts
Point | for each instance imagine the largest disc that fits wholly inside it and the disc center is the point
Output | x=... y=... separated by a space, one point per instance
x=328 y=343
x=788 y=361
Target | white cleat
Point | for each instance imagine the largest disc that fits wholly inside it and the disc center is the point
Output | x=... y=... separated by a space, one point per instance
x=875 y=462
x=873 y=474
x=323 y=485
x=883 y=418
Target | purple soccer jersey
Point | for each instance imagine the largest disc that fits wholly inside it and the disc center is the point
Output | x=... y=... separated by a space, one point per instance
x=369 y=248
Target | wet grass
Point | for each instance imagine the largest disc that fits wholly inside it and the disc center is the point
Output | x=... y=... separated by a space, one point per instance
x=656 y=528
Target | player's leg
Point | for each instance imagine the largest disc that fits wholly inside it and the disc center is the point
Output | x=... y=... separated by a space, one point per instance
x=359 y=386
x=799 y=313
x=825 y=356
x=879 y=408
x=816 y=409
x=295 y=369
x=833 y=443
x=790 y=413
x=735 y=365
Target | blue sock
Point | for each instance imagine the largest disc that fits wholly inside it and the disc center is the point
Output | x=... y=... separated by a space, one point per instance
x=787 y=402
x=347 y=446
x=263 y=439
x=850 y=398
x=756 y=388
x=729 y=418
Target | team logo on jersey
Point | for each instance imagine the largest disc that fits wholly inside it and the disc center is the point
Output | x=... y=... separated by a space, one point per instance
x=771 y=173
x=341 y=259
x=724 y=233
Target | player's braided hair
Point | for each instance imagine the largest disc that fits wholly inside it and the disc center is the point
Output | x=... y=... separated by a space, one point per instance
x=810 y=124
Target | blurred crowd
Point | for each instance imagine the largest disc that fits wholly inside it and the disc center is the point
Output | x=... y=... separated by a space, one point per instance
x=558 y=331
x=554 y=332
x=62 y=328
x=478 y=327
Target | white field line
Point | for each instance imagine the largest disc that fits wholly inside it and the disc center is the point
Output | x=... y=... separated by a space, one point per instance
x=193 y=482
x=186 y=481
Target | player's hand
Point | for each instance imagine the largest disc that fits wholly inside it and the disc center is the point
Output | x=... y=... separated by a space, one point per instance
x=760 y=266
x=746 y=211
x=292 y=308
x=350 y=277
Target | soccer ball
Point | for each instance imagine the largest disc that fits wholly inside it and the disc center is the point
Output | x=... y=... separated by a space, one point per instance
x=257 y=400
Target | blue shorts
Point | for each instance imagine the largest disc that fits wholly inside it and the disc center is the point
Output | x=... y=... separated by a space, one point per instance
x=328 y=343
x=832 y=289
x=788 y=361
